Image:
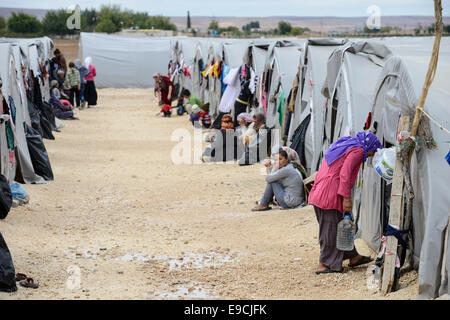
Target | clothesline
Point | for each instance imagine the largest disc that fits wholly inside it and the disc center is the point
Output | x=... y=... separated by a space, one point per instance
x=435 y=122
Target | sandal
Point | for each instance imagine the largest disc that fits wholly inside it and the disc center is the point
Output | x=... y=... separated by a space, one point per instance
x=29 y=283
x=257 y=208
x=327 y=270
x=20 y=276
x=361 y=261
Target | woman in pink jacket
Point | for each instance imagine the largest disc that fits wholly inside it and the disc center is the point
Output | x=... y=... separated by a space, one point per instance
x=90 y=92
x=331 y=196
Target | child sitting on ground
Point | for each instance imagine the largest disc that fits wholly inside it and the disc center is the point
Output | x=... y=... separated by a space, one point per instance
x=166 y=110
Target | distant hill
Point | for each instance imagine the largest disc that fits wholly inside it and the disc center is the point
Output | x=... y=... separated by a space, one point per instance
x=38 y=13
x=323 y=24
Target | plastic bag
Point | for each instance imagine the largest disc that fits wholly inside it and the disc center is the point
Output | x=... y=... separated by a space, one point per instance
x=7 y=271
x=18 y=192
x=384 y=163
x=38 y=153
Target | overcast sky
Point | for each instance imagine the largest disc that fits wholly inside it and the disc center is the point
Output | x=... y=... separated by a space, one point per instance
x=247 y=8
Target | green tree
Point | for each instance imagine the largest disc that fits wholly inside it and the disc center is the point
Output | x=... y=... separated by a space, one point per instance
x=214 y=25
x=55 y=22
x=188 y=21
x=2 y=23
x=23 y=23
x=89 y=18
x=161 y=23
x=284 y=27
x=251 y=25
x=111 y=15
x=386 y=29
x=126 y=18
x=446 y=28
x=106 y=25
x=141 y=20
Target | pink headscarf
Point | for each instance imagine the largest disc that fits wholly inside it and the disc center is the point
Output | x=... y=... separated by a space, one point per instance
x=247 y=117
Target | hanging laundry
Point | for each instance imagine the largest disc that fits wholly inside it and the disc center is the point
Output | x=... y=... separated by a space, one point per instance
x=281 y=101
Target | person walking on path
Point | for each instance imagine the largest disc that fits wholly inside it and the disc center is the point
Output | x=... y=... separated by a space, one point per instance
x=331 y=196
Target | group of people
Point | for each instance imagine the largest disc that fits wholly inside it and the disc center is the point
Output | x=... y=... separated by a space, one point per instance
x=71 y=86
x=331 y=191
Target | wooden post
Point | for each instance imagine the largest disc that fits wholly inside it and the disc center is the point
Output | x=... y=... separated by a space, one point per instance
x=395 y=214
x=431 y=67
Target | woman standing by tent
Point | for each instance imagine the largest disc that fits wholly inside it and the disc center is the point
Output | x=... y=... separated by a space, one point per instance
x=331 y=196
x=90 y=93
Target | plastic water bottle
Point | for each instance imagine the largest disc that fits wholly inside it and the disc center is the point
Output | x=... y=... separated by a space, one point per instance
x=345 y=233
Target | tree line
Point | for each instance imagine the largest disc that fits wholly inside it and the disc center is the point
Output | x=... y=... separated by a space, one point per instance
x=108 y=19
x=284 y=29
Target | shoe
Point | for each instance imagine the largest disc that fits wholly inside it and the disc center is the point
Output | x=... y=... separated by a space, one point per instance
x=361 y=261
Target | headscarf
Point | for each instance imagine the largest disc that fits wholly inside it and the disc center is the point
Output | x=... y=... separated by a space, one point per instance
x=87 y=62
x=260 y=121
x=227 y=122
x=247 y=117
x=195 y=109
x=366 y=140
x=293 y=157
x=77 y=63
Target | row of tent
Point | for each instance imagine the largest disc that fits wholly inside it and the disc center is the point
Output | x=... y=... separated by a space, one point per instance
x=317 y=90
x=26 y=117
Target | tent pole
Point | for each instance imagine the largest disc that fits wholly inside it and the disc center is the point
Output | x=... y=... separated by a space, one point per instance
x=403 y=159
x=431 y=67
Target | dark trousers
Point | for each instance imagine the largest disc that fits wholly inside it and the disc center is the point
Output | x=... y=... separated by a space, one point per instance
x=330 y=256
x=75 y=93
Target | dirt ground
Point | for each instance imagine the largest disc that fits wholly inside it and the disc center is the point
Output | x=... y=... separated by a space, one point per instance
x=121 y=221
x=69 y=47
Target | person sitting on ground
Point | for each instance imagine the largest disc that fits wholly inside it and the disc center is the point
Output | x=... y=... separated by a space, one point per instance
x=246 y=129
x=204 y=118
x=166 y=110
x=285 y=183
x=192 y=100
x=331 y=196
x=293 y=157
x=56 y=92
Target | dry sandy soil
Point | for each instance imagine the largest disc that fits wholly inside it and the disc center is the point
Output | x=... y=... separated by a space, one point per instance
x=121 y=221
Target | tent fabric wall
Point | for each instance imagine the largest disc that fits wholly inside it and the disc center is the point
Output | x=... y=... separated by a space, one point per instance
x=123 y=62
x=397 y=94
x=8 y=76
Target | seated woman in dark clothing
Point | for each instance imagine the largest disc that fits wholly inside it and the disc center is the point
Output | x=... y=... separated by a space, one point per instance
x=224 y=143
x=259 y=145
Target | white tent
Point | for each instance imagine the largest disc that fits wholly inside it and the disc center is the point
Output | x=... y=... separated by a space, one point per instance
x=281 y=66
x=124 y=62
x=396 y=93
x=9 y=90
x=310 y=100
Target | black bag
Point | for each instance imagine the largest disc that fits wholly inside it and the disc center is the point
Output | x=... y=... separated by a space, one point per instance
x=38 y=153
x=35 y=117
x=47 y=109
x=7 y=271
x=5 y=197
